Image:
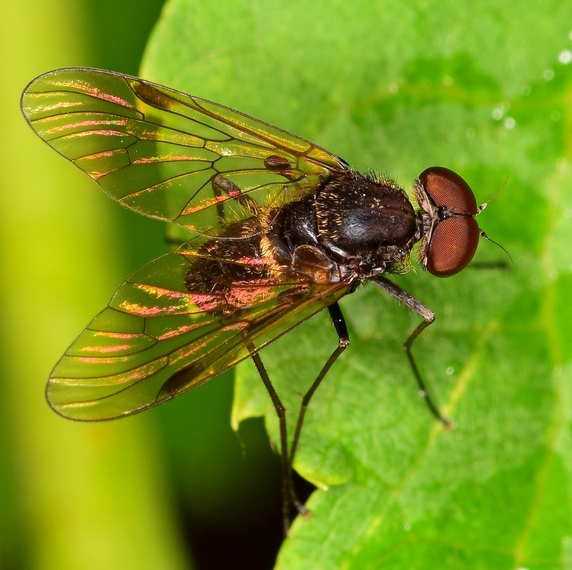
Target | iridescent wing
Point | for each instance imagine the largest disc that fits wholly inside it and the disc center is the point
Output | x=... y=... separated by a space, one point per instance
x=168 y=155
x=159 y=338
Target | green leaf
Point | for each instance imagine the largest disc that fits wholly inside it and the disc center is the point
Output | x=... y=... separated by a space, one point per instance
x=399 y=87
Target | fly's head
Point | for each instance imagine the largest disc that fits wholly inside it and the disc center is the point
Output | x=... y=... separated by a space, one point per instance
x=446 y=223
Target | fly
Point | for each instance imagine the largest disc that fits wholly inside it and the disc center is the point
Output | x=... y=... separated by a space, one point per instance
x=283 y=230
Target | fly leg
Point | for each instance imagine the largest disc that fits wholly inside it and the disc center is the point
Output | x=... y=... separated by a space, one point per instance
x=428 y=318
x=287 y=487
x=222 y=186
x=343 y=342
x=288 y=493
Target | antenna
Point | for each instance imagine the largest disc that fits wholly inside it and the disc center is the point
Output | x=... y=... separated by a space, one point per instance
x=482 y=207
x=485 y=204
x=485 y=236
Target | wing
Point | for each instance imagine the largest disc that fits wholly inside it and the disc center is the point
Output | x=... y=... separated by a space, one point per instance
x=168 y=155
x=158 y=339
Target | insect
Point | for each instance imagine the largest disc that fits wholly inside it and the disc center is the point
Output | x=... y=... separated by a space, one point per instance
x=282 y=229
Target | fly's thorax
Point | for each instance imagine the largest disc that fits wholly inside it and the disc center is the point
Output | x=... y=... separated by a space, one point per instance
x=364 y=216
x=289 y=227
x=291 y=240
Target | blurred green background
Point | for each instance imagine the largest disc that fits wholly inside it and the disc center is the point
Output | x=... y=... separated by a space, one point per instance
x=485 y=90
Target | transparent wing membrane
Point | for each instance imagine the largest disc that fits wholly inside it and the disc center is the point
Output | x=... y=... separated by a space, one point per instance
x=157 y=338
x=158 y=151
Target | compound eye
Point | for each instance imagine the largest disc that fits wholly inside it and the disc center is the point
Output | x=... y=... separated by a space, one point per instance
x=448 y=190
x=453 y=245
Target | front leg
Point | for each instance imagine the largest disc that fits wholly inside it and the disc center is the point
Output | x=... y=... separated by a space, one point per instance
x=428 y=318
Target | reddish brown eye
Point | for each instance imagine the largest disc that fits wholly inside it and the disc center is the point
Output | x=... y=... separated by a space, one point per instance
x=455 y=234
x=448 y=190
x=453 y=245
